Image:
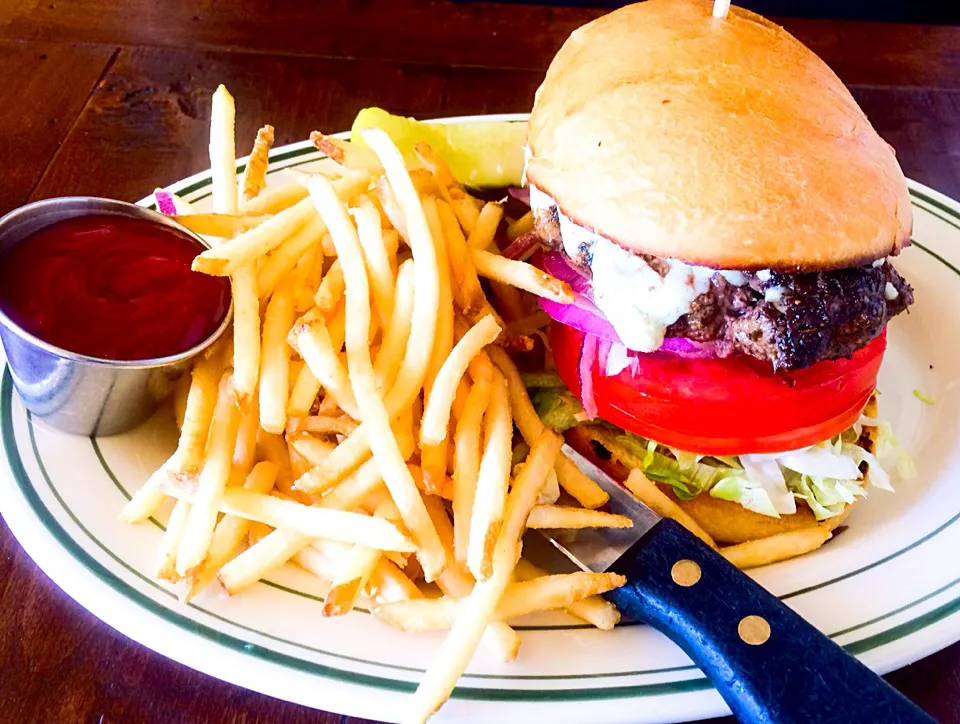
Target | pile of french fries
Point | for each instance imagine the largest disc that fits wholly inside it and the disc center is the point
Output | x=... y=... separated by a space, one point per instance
x=360 y=419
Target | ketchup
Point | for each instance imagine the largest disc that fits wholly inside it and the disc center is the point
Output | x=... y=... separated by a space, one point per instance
x=112 y=287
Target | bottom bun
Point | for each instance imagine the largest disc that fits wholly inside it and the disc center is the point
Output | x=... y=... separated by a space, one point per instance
x=730 y=523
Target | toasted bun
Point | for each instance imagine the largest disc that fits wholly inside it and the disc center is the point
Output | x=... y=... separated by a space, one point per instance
x=724 y=143
x=729 y=523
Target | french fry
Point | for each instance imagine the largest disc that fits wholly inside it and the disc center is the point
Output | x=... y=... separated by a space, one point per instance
x=560 y=516
x=394 y=342
x=349 y=582
x=489 y=500
x=467 y=444
x=778 y=547
x=245 y=447
x=443 y=341
x=246 y=332
x=275 y=360
x=255 y=176
x=347 y=154
x=304 y=285
x=221 y=225
x=468 y=215
x=526 y=326
x=218 y=459
x=391 y=207
x=275 y=199
x=259 y=559
x=318 y=351
x=200 y=404
x=330 y=292
x=377 y=261
x=312 y=521
x=273 y=448
x=356 y=488
x=504 y=641
x=201 y=401
x=486 y=227
x=426 y=275
x=446 y=184
x=650 y=495
x=467 y=292
x=387 y=583
x=521 y=275
x=374 y=413
x=594 y=610
x=480 y=607
x=457 y=582
x=350 y=454
x=303 y=394
x=223 y=153
x=298 y=463
x=312 y=449
x=519 y=227
x=433 y=463
x=460 y=398
x=226 y=258
x=180 y=392
x=519 y=599
x=321 y=425
x=356 y=569
x=436 y=414
x=165 y=567
x=228 y=535
x=285 y=257
x=578 y=485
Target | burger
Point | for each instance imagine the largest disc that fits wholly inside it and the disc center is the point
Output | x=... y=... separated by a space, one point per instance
x=726 y=215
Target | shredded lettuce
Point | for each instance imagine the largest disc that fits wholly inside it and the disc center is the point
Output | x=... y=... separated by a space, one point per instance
x=826 y=477
x=738 y=489
x=535 y=380
x=925 y=399
x=557 y=408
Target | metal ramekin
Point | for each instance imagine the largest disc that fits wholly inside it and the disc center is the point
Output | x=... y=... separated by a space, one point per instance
x=72 y=392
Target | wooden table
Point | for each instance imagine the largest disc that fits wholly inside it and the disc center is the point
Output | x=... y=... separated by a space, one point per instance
x=111 y=97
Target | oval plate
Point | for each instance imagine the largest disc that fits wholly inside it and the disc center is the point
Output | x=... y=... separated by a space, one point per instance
x=885 y=589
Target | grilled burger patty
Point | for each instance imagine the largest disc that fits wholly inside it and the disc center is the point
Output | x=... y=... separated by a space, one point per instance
x=796 y=320
x=792 y=320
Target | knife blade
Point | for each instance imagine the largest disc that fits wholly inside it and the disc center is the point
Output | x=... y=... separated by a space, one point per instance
x=768 y=663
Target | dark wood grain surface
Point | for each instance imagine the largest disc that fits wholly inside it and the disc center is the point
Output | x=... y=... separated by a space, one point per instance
x=112 y=97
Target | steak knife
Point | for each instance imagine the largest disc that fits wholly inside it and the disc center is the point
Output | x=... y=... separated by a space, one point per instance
x=768 y=663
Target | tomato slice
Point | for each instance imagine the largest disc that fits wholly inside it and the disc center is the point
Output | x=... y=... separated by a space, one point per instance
x=730 y=406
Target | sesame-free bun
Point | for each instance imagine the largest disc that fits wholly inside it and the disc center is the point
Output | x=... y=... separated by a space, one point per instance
x=720 y=142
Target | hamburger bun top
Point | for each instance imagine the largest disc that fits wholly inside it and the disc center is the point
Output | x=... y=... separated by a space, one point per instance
x=721 y=142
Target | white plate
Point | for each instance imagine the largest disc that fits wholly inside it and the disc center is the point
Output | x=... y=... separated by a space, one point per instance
x=888 y=588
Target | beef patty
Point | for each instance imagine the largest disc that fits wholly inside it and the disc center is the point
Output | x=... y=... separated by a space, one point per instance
x=793 y=320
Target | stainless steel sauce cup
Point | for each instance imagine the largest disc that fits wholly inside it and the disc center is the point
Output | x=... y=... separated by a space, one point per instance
x=72 y=392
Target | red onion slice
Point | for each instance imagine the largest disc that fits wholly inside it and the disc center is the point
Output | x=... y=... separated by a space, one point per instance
x=581 y=315
x=520 y=194
x=165 y=203
x=588 y=358
x=683 y=347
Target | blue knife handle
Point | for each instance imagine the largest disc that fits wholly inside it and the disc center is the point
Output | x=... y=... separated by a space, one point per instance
x=796 y=676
